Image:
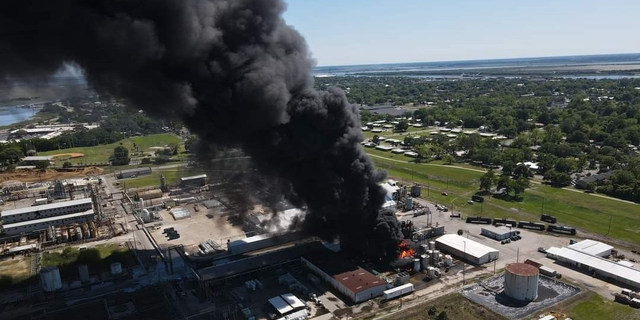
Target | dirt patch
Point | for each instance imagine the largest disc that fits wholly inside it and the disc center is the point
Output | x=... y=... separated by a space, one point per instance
x=64 y=156
x=49 y=174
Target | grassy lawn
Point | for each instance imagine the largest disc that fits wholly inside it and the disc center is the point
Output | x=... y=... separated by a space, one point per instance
x=172 y=175
x=98 y=259
x=455 y=306
x=596 y=308
x=576 y=209
x=14 y=271
x=101 y=153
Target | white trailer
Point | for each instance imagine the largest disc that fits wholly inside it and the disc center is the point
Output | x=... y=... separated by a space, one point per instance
x=397 y=291
x=548 y=272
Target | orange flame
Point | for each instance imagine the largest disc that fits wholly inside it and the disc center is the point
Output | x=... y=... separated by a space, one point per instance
x=405 y=251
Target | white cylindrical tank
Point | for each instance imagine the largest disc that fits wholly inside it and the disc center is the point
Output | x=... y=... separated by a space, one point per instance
x=448 y=261
x=116 y=268
x=141 y=204
x=50 y=278
x=416 y=265
x=78 y=233
x=435 y=256
x=424 y=248
x=521 y=282
x=431 y=272
x=83 y=270
x=432 y=245
x=424 y=261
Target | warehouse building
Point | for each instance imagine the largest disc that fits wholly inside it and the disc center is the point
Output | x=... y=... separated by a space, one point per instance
x=498 y=233
x=604 y=268
x=352 y=281
x=466 y=249
x=132 y=173
x=288 y=304
x=594 y=248
x=46 y=210
x=40 y=217
x=194 y=181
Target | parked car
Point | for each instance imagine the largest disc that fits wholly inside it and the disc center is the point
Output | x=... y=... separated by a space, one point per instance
x=542 y=250
x=444 y=193
x=470 y=202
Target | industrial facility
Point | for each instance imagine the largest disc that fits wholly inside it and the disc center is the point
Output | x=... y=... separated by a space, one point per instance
x=41 y=217
x=354 y=282
x=467 y=250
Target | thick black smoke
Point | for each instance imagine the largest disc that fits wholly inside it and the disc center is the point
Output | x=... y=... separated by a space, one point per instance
x=235 y=73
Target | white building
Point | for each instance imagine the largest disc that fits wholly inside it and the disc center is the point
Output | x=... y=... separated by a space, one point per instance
x=604 y=268
x=40 y=217
x=498 y=233
x=595 y=248
x=466 y=249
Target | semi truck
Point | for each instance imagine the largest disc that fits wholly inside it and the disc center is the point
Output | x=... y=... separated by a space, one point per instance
x=397 y=291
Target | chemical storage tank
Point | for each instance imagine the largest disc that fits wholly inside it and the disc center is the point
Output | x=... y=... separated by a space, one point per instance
x=116 y=268
x=521 y=282
x=78 y=233
x=432 y=245
x=50 y=278
x=408 y=205
x=416 y=265
x=424 y=260
x=83 y=270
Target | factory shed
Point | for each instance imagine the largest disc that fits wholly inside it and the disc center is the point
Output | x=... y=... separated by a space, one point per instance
x=594 y=264
x=467 y=249
x=352 y=281
x=130 y=173
x=595 y=248
x=497 y=233
x=281 y=306
x=198 y=181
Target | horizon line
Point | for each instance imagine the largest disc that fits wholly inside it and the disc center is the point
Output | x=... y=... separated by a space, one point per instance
x=485 y=59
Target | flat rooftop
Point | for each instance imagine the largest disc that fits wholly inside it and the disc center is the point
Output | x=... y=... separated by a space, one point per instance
x=462 y=244
x=597 y=263
x=346 y=273
x=49 y=219
x=592 y=247
x=43 y=207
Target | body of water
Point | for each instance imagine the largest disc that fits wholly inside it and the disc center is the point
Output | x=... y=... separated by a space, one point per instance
x=14 y=114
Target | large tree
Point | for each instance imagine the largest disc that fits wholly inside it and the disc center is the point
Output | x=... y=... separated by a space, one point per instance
x=120 y=156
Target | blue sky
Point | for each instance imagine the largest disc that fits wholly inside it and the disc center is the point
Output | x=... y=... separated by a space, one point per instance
x=342 y=32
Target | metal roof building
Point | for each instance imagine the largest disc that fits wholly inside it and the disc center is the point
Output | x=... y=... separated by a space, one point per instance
x=592 y=247
x=497 y=233
x=467 y=249
x=603 y=267
x=134 y=172
x=349 y=279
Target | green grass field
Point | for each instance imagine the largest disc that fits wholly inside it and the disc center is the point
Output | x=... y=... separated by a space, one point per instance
x=98 y=259
x=594 y=307
x=172 y=176
x=101 y=153
x=577 y=209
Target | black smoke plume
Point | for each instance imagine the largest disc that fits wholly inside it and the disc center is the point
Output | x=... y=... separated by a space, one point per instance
x=236 y=74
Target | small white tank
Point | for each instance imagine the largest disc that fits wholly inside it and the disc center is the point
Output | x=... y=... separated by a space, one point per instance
x=416 y=265
x=448 y=261
x=431 y=272
x=432 y=245
x=83 y=270
x=116 y=268
x=436 y=256
x=50 y=278
x=424 y=260
x=78 y=233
